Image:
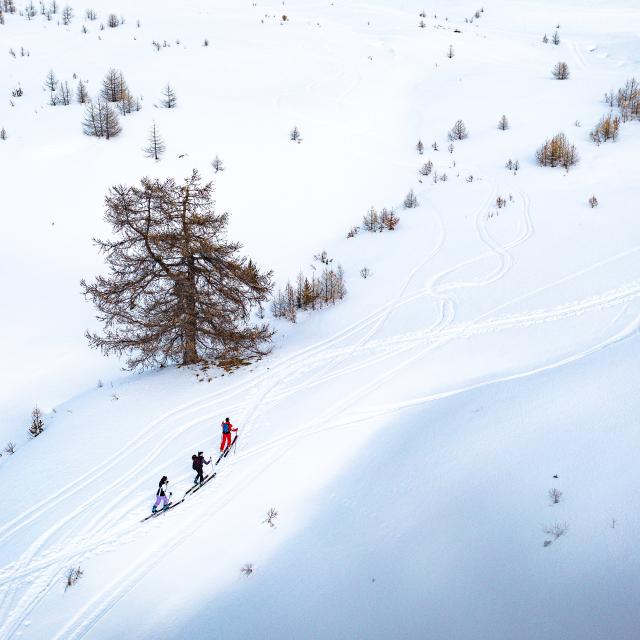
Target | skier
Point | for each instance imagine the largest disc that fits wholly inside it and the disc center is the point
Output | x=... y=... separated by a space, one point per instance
x=197 y=462
x=161 y=494
x=227 y=428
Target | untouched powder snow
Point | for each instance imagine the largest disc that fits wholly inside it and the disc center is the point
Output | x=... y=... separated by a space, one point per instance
x=407 y=436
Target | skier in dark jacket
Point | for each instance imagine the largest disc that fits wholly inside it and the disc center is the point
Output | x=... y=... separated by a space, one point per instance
x=161 y=494
x=197 y=463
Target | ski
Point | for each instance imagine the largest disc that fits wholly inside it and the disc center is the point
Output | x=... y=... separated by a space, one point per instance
x=226 y=451
x=199 y=486
x=170 y=506
x=195 y=485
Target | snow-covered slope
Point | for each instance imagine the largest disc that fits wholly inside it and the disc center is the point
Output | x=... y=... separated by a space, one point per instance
x=409 y=435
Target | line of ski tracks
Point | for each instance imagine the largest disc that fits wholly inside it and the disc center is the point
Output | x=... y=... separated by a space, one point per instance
x=26 y=581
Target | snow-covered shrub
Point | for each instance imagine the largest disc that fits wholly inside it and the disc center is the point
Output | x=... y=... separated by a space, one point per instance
x=354 y=231
x=3 y=134
x=503 y=123
x=72 y=576
x=10 y=448
x=545 y=39
x=37 y=424
x=370 y=221
x=217 y=164
x=557 y=152
x=426 y=168
x=113 y=21
x=593 y=202
x=561 y=71
x=458 y=131
x=410 y=200
x=554 y=496
x=294 y=134
x=420 y=147
x=247 y=569
x=67 y=15
x=555 y=38
x=365 y=272
x=434 y=146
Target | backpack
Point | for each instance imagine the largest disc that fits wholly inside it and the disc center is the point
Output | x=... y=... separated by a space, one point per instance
x=226 y=427
x=194 y=466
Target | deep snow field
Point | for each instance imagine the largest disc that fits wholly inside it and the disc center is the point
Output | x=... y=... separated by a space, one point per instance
x=407 y=436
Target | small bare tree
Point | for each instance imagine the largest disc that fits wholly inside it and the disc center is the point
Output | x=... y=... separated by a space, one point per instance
x=113 y=21
x=82 y=96
x=561 y=71
x=10 y=448
x=426 y=168
x=155 y=145
x=365 y=272
x=217 y=164
x=593 y=202
x=503 y=123
x=67 y=15
x=606 y=129
x=3 y=134
x=556 y=530
x=169 y=99
x=370 y=221
x=388 y=220
x=272 y=514
x=37 y=424
x=450 y=52
x=294 y=134
x=555 y=495
x=458 y=131
x=555 y=38
x=410 y=200
x=64 y=94
x=420 y=147
x=557 y=152
x=100 y=120
x=247 y=569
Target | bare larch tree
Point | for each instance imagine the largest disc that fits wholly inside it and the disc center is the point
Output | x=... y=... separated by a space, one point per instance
x=178 y=290
x=155 y=146
x=169 y=99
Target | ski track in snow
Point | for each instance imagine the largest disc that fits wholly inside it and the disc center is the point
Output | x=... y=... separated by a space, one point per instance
x=43 y=563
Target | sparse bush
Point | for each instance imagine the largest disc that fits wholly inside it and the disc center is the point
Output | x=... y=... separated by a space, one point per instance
x=410 y=200
x=556 y=152
x=10 y=448
x=593 y=202
x=91 y=14
x=272 y=514
x=545 y=39
x=37 y=424
x=113 y=21
x=420 y=147
x=556 y=530
x=555 y=38
x=365 y=272
x=294 y=134
x=426 y=168
x=606 y=129
x=503 y=123
x=354 y=231
x=434 y=146
x=450 y=147
x=458 y=131
x=561 y=71
x=501 y=202
x=247 y=569
x=554 y=496
x=3 y=134
x=72 y=576
x=67 y=15
x=206 y=42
